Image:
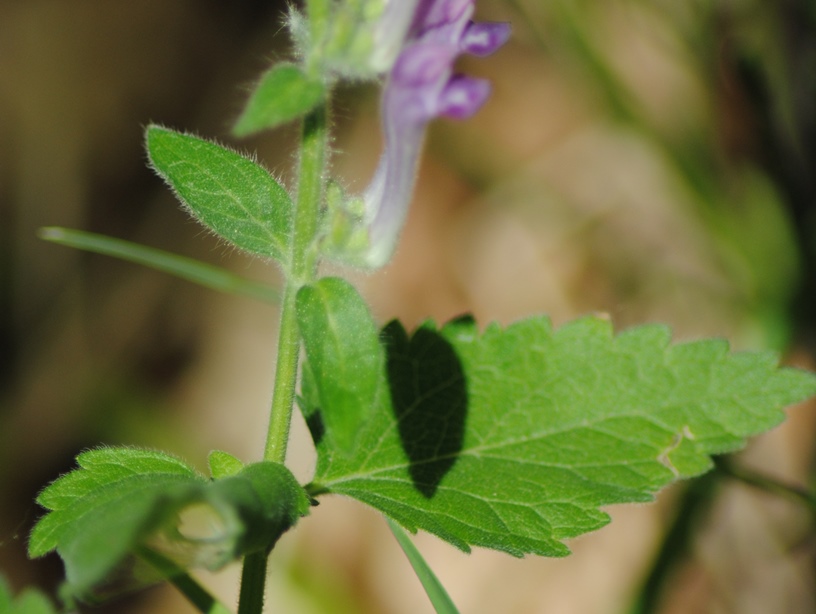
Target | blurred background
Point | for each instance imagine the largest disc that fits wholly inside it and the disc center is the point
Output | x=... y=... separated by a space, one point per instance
x=655 y=161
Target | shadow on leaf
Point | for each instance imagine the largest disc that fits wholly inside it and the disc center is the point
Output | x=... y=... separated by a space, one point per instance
x=429 y=397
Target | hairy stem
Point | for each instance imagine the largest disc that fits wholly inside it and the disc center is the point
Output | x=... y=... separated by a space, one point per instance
x=302 y=271
x=302 y=268
x=253 y=582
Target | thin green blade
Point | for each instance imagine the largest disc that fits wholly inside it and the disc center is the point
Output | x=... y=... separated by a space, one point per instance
x=200 y=273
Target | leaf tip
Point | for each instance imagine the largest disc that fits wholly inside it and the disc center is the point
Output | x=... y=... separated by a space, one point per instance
x=223 y=464
x=284 y=93
x=51 y=233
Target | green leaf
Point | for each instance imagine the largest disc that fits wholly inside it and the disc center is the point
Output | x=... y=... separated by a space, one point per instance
x=107 y=474
x=284 y=93
x=122 y=501
x=206 y=275
x=223 y=465
x=101 y=511
x=437 y=594
x=230 y=194
x=29 y=601
x=344 y=357
x=268 y=501
x=513 y=439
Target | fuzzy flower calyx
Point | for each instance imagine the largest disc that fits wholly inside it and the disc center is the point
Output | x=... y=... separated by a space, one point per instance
x=420 y=86
x=352 y=39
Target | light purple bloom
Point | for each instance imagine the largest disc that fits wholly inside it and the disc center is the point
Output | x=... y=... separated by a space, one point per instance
x=421 y=86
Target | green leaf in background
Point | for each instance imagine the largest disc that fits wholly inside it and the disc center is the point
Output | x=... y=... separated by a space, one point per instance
x=284 y=93
x=344 y=356
x=514 y=438
x=29 y=601
x=123 y=500
x=230 y=194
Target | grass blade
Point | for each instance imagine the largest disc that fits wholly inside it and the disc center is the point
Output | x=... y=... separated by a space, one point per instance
x=206 y=275
x=439 y=597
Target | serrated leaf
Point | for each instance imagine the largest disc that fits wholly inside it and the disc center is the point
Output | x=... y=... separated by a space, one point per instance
x=513 y=439
x=230 y=194
x=344 y=356
x=122 y=500
x=284 y=93
x=106 y=475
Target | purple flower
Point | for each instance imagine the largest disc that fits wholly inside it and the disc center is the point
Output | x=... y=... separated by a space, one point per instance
x=421 y=86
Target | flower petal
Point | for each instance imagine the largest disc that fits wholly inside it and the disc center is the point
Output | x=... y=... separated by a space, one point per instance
x=484 y=38
x=435 y=13
x=463 y=96
x=420 y=87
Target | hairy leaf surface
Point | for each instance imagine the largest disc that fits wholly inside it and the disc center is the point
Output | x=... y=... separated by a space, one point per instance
x=230 y=194
x=344 y=355
x=515 y=438
x=283 y=94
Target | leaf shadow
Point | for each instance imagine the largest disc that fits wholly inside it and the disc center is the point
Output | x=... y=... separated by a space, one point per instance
x=429 y=398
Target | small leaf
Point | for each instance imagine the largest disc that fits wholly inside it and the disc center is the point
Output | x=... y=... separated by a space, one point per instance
x=223 y=465
x=269 y=500
x=230 y=194
x=284 y=93
x=515 y=438
x=124 y=500
x=344 y=357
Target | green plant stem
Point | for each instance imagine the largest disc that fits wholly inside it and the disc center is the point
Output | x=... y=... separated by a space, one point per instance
x=776 y=487
x=674 y=550
x=302 y=268
x=302 y=271
x=253 y=583
x=691 y=513
x=285 y=378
